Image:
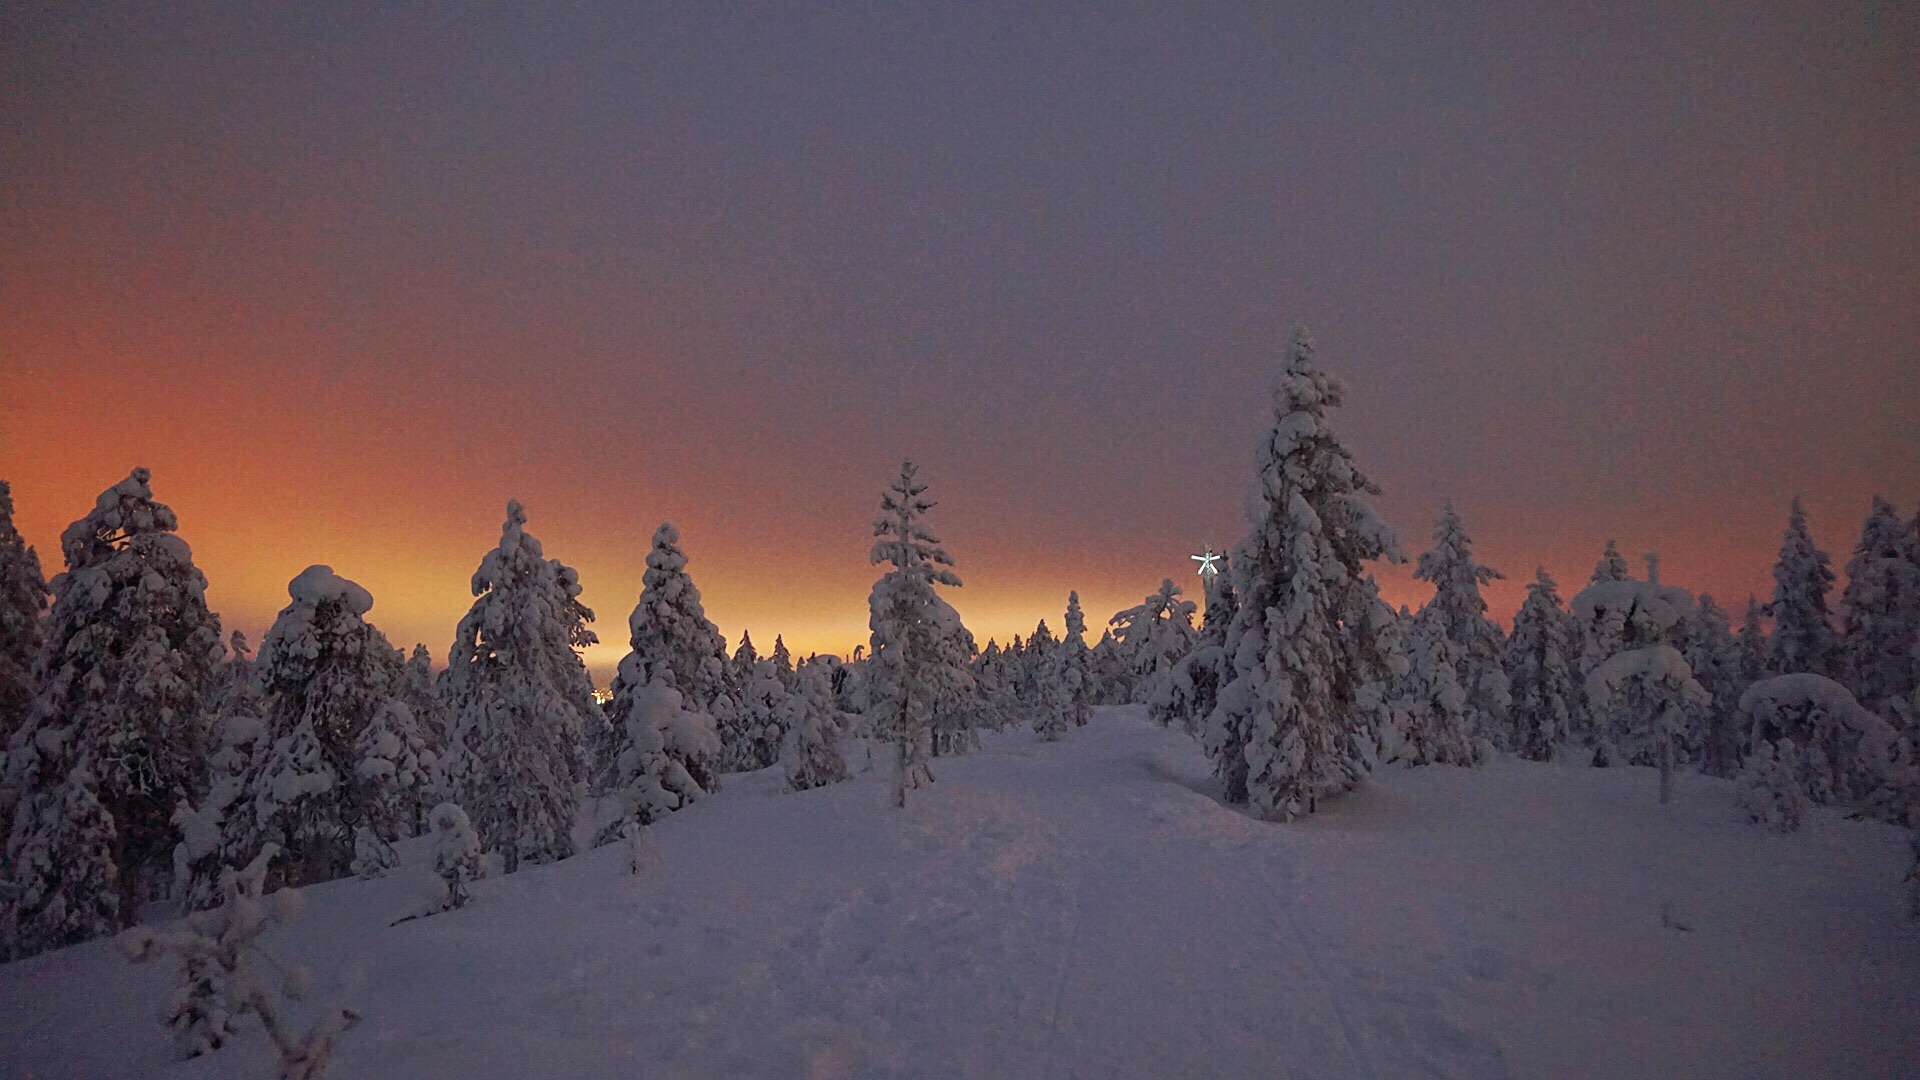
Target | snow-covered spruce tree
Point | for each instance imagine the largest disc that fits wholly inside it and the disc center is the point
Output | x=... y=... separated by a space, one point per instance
x=1156 y=635
x=1802 y=625
x=23 y=603
x=1113 y=678
x=1880 y=610
x=657 y=736
x=1073 y=663
x=672 y=642
x=340 y=754
x=1843 y=752
x=520 y=700
x=1718 y=740
x=1191 y=690
x=220 y=982
x=121 y=712
x=1650 y=695
x=1308 y=676
x=760 y=730
x=782 y=662
x=1432 y=721
x=417 y=690
x=1612 y=566
x=1461 y=615
x=918 y=670
x=1542 y=663
x=995 y=675
x=811 y=756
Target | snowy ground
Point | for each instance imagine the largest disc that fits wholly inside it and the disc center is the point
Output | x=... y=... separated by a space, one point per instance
x=1087 y=909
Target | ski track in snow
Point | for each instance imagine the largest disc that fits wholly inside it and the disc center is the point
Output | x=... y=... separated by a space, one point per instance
x=1088 y=909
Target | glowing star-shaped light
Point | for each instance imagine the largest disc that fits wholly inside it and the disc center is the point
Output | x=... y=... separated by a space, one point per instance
x=1209 y=563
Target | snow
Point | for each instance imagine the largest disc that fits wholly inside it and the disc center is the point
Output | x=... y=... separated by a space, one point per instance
x=1089 y=908
x=318 y=584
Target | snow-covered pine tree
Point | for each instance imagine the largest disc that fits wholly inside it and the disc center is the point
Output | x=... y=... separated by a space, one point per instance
x=1542 y=663
x=1802 y=625
x=340 y=753
x=1308 y=676
x=1612 y=566
x=1156 y=635
x=122 y=712
x=672 y=641
x=1461 y=614
x=995 y=674
x=1880 y=610
x=23 y=603
x=520 y=700
x=811 y=755
x=1649 y=694
x=1073 y=664
x=1769 y=787
x=1718 y=740
x=918 y=671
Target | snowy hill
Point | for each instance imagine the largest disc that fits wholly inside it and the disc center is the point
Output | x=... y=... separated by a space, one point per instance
x=1087 y=909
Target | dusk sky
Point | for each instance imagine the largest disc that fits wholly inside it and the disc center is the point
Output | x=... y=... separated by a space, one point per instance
x=349 y=280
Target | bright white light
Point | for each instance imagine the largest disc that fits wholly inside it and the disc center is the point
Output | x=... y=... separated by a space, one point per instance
x=1208 y=563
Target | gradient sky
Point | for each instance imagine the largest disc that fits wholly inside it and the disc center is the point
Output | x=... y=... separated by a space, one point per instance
x=349 y=279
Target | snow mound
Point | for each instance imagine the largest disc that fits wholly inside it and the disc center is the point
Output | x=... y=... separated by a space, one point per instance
x=318 y=584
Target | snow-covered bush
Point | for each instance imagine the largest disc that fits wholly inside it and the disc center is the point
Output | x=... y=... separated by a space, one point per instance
x=1295 y=720
x=1845 y=752
x=456 y=853
x=1770 y=789
x=650 y=778
x=221 y=974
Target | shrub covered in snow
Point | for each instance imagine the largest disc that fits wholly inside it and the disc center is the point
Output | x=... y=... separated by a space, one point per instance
x=456 y=853
x=221 y=980
x=1770 y=789
x=1845 y=752
x=811 y=756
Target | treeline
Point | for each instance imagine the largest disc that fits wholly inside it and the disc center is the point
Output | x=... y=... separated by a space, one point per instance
x=150 y=757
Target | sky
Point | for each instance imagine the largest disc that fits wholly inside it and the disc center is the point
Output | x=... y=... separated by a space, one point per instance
x=349 y=279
